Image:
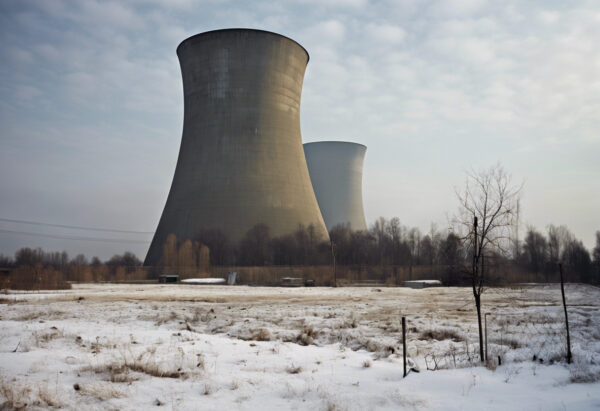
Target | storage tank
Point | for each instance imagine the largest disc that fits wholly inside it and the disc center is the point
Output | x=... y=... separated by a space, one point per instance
x=241 y=161
x=336 y=169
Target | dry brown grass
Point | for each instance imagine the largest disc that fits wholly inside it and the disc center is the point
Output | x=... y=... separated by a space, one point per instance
x=292 y=369
x=120 y=371
x=15 y=395
x=37 y=277
x=234 y=385
x=103 y=273
x=128 y=365
x=165 y=318
x=331 y=405
x=40 y=315
x=43 y=337
x=100 y=390
x=261 y=335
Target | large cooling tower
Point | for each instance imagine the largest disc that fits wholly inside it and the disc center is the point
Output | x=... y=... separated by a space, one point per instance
x=241 y=161
x=336 y=169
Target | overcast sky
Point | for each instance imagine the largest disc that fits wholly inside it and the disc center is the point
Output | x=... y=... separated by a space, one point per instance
x=91 y=106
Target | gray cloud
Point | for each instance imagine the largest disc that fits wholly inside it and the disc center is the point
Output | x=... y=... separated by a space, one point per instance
x=91 y=105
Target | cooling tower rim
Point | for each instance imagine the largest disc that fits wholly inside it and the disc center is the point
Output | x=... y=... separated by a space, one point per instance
x=335 y=142
x=243 y=29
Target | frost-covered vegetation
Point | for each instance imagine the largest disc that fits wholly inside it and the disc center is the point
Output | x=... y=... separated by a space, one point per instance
x=186 y=347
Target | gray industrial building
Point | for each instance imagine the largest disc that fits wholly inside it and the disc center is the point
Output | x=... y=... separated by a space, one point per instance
x=336 y=169
x=241 y=160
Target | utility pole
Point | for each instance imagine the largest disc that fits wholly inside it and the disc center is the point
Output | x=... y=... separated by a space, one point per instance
x=334 y=268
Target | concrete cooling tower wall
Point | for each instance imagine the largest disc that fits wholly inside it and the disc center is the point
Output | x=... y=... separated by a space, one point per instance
x=241 y=161
x=336 y=170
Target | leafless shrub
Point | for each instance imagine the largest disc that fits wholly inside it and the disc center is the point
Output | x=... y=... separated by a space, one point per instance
x=491 y=364
x=208 y=389
x=95 y=346
x=200 y=364
x=452 y=357
x=307 y=335
x=508 y=342
x=441 y=334
x=197 y=316
x=162 y=318
x=511 y=372
x=583 y=372
x=367 y=363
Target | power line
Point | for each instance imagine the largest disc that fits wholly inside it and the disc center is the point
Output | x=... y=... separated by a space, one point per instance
x=106 y=240
x=76 y=227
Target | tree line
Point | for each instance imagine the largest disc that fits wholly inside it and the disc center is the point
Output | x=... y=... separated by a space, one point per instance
x=386 y=243
x=34 y=268
x=541 y=253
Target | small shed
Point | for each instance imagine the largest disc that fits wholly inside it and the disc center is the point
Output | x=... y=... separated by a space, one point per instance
x=292 y=282
x=168 y=278
x=422 y=283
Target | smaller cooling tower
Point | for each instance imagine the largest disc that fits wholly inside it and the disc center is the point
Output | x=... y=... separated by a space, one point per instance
x=335 y=169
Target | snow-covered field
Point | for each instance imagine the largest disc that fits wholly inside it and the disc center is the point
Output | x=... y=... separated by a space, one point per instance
x=236 y=347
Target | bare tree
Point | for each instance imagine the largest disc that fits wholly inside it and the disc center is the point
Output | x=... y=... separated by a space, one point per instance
x=535 y=251
x=487 y=212
x=559 y=238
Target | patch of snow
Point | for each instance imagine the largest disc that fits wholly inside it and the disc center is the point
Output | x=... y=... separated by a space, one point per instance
x=133 y=346
x=203 y=281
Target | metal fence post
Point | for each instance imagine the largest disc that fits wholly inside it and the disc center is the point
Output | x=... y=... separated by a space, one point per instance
x=404 y=343
x=562 y=290
x=485 y=316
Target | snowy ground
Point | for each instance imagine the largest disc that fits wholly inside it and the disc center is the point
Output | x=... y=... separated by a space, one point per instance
x=219 y=347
